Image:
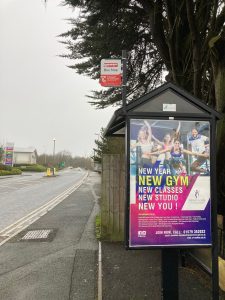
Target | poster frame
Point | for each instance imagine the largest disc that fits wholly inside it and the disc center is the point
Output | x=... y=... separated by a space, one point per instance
x=213 y=202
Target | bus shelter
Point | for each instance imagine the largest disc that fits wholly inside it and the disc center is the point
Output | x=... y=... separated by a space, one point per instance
x=170 y=177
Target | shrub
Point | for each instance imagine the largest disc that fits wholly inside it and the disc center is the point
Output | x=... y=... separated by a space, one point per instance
x=20 y=165
x=33 y=168
x=13 y=171
x=6 y=168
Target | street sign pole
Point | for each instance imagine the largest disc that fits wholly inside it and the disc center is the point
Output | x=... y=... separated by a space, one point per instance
x=124 y=84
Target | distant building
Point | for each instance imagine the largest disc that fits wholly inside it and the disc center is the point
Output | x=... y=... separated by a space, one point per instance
x=27 y=156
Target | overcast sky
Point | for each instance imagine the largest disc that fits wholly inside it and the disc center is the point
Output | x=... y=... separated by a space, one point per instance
x=40 y=98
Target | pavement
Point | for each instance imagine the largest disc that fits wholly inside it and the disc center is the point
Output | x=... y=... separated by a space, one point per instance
x=66 y=265
x=136 y=275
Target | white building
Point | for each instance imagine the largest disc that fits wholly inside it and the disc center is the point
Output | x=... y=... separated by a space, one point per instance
x=26 y=156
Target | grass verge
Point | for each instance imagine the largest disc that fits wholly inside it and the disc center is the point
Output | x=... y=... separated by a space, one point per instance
x=98 y=227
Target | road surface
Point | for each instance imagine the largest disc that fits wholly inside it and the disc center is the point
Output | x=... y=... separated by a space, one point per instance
x=20 y=196
x=62 y=267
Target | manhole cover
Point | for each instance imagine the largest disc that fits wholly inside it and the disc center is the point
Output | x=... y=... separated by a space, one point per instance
x=40 y=235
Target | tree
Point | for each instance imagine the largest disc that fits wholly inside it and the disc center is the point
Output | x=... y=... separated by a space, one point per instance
x=65 y=157
x=99 y=34
x=107 y=145
x=1 y=152
x=184 y=37
x=159 y=35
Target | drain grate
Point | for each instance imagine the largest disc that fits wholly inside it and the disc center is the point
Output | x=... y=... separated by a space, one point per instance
x=39 y=235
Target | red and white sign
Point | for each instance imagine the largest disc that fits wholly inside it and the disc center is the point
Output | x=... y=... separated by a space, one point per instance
x=110 y=80
x=111 y=73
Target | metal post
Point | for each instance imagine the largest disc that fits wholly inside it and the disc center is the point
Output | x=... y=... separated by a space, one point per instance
x=170 y=274
x=53 y=173
x=215 y=275
x=124 y=83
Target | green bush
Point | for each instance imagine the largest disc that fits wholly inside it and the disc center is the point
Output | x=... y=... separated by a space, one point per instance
x=6 y=168
x=13 y=171
x=20 y=165
x=33 y=168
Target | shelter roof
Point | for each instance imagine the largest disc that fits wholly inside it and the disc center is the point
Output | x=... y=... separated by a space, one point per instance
x=166 y=100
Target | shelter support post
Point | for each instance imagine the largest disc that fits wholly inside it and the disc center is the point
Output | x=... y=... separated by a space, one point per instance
x=215 y=272
x=170 y=260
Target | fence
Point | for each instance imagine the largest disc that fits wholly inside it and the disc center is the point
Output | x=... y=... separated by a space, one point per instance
x=113 y=197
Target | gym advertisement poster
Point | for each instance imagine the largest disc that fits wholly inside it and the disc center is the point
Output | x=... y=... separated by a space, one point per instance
x=169 y=195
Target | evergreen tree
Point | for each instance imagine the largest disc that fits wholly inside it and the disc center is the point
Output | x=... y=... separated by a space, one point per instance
x=184 y=37
x=107 y=145
x=1 y=153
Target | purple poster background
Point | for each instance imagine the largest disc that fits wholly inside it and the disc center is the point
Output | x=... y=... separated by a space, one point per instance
x=169 y=183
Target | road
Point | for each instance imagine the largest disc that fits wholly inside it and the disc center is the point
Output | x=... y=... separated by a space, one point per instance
x=63 y=266
x=21 y=195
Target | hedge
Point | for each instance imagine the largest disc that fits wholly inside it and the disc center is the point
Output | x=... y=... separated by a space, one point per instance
x=33 y=168
x=5 y=167
x=13 y=171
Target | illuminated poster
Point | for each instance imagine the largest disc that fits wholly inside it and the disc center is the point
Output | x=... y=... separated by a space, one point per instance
x=169 y=183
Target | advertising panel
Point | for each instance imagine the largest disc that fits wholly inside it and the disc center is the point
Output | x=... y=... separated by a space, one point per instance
x=169 y=203
x=8 y=154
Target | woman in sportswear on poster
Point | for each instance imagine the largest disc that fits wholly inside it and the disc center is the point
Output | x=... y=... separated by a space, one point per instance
x=200 y=144
x=146 y=145
x=177 y=161
x=167 y=143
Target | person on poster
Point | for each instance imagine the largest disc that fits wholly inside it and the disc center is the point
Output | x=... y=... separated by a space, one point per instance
x=177 y=162
x=169 y=138
x=199 y=143
x=146 y=145
x=167 y=144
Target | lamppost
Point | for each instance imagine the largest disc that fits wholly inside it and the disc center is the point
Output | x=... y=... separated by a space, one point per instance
x=53 y=156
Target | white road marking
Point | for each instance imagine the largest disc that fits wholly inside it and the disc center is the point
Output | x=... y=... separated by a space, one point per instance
x=13 y=229
x=99 y=271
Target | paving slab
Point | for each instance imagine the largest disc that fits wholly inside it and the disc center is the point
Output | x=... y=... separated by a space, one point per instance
x=136 y=275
